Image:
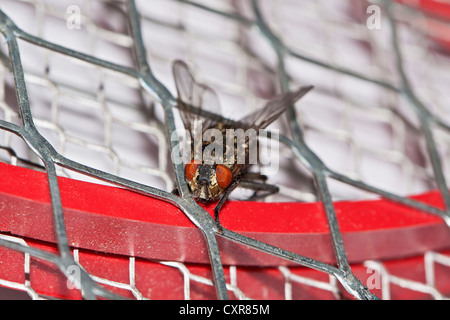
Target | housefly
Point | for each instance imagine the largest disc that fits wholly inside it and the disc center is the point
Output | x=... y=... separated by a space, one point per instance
x=210 y=179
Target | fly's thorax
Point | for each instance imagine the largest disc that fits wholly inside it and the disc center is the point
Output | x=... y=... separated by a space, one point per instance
x=230 y=149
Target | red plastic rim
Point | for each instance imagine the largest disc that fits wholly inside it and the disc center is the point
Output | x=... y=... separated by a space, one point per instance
x=113 y=220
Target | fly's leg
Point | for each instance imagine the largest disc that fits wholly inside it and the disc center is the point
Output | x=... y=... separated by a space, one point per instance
x=222 y=200
x=267 y=189
x=254 y=176
x=175 y=192
x=250 y=181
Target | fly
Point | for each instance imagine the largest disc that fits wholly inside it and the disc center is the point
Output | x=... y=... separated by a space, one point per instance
x=208 y=179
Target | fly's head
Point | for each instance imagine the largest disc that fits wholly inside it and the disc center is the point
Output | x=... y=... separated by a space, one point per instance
x=207 y=181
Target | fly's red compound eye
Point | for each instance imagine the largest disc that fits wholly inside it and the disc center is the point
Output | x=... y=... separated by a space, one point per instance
x=191 y=169
x=223 y=176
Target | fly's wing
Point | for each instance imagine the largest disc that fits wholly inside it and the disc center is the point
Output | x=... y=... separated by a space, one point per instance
x=197 y=103
x=268 y=114
x=273 y=109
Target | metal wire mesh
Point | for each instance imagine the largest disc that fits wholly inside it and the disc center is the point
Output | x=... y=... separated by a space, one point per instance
x=129 y=97
x=178 y=280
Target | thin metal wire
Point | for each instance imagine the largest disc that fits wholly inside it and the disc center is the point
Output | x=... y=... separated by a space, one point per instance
x=143 y=73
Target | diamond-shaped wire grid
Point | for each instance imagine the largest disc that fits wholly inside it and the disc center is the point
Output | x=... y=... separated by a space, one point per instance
x=129 y=98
